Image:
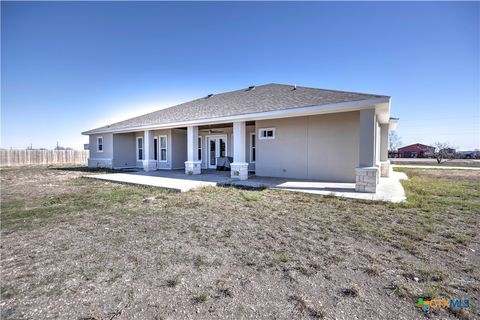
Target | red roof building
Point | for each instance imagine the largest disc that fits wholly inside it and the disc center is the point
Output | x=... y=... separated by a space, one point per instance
x=416 y=150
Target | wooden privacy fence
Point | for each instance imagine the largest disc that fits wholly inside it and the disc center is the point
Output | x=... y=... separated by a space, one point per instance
x=15 y=157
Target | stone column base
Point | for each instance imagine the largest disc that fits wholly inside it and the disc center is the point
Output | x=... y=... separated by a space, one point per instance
x=100 y=163
x=367 y=179
x=193 y=167
x=149 y=165
x=239 y=170
x=385 y=168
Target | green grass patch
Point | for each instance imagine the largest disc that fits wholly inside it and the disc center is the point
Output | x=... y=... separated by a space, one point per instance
x=123 y=199
x=428 y=193
x=251 y=195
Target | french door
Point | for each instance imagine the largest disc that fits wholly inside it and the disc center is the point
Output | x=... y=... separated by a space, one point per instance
x=217 y=147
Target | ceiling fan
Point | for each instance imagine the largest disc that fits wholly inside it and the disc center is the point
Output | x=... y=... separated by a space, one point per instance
x=215 y=131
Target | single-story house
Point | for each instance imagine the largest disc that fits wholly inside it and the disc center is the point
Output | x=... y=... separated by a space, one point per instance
x=416 y=150
x=273 y=130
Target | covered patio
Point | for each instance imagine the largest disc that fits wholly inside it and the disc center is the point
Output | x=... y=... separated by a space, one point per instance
x=275 y=130
x=389 y=188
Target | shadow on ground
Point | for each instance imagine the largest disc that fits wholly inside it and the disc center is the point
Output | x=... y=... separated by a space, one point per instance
x=93 y=170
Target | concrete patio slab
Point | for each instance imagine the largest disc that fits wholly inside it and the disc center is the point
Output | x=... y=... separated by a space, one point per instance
x=180 y=185
x=389 y=189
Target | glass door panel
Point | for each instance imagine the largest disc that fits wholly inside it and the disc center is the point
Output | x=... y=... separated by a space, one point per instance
x=212 y=152
x=223 y=150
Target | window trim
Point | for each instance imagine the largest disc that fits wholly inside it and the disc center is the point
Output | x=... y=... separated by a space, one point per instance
x=253 y=134
x=261 y=137
x=143 y=147
x=160 y=148
x=200 y=147
x=98 y=138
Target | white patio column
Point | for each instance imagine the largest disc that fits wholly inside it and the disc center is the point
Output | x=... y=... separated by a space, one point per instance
x=367 y=173
x=148 y=161
x=239 y=166
x=384 y=162
x=192 y=165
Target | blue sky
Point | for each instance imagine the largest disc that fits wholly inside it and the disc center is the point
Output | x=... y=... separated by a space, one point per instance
x=69 y=67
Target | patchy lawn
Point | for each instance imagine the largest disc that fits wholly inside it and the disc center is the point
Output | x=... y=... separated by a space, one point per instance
x=433 y=162
x=76 y=248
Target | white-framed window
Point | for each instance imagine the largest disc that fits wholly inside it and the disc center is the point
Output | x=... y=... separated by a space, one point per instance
x=100 y=144
x=163 y=148
x=266 y=133
x=253 y=147
x=139 y=148
x=155 y=148
x=199 y=148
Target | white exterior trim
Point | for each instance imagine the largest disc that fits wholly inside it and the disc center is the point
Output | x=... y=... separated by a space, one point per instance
x=393 y=123
x=383 y=105
x=143 y=148
x=99 y=159
x=239 y=142
x=260 y=137
x=98 y=138
x=160 y=148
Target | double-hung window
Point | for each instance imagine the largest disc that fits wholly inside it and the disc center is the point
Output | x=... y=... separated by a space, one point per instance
x=163 y=148
x=139 y=148
x=99 y=144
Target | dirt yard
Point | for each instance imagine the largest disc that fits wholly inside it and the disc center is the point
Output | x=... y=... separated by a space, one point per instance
x=75 y=248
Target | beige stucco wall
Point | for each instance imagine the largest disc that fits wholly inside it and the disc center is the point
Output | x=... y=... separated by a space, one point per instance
x=179 y=148
x=367 y=137
x=124 y=150
x=321 y=147
x=107 y=146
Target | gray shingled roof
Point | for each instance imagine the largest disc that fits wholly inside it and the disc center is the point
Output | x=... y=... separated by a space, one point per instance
x=268 y=97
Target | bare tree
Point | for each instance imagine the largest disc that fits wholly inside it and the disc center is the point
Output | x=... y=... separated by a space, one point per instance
x=394 y=141
x=441 y=151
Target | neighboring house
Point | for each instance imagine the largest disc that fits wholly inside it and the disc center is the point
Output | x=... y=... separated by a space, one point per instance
x=416 y=150
x=468 y=154
x=393 y=154
x=274 y=130
x=449 y=152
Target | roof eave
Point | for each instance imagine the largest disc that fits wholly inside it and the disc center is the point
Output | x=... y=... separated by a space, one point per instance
x=285 y=113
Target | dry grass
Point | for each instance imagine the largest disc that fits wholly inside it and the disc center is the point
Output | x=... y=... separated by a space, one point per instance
x=80 y=248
